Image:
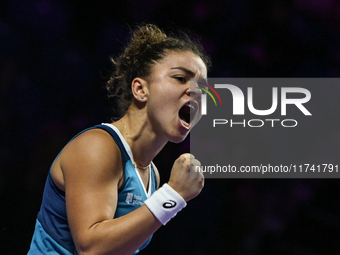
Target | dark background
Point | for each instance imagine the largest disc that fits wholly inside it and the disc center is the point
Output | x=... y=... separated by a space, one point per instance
x=53 y=56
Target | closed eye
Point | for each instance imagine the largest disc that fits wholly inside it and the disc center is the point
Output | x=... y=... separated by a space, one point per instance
x=181 y=79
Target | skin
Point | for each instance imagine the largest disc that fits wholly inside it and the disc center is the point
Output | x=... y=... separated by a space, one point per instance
x=90 y=170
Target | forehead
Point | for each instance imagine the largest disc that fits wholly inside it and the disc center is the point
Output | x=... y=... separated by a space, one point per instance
x=184 y=59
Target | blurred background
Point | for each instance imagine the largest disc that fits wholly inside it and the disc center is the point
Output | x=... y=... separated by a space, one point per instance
x=53 y=57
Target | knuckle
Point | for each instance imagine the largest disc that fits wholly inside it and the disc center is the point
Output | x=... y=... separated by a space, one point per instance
x=195 y=163
x=183 y=157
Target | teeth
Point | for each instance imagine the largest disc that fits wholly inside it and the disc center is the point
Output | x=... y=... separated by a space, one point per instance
x=185 y=123
x=191 y=106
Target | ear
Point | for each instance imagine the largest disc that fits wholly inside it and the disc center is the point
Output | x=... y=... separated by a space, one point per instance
x=139 y=89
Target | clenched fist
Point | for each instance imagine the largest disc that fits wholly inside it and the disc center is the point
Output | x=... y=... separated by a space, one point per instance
x=188 y=186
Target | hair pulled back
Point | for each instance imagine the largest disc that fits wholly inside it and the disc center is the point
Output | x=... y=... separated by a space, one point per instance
x=147 y=45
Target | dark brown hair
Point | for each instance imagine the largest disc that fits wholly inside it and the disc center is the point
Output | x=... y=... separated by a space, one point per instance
x=148 y=44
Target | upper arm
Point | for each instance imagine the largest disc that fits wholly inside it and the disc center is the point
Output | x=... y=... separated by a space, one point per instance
x=92 y=168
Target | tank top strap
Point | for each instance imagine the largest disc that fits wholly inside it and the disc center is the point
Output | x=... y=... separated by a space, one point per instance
x=116 y=138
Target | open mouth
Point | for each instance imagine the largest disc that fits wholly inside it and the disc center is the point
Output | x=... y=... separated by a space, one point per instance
x=186 y=114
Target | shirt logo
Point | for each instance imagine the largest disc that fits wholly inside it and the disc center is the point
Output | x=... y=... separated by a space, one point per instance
x=134 y=199
x=129 y=197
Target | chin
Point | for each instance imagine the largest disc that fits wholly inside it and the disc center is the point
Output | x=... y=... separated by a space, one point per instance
x=178 y=138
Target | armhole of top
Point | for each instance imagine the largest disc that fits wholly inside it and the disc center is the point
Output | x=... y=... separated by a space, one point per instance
x=49 y=176
x=125 y=156
x=59 y=191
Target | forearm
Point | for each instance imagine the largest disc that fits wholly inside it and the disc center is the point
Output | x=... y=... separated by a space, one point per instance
x=123 y=235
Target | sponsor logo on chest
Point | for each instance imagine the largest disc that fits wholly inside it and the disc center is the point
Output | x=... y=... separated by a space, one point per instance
x=134 y=199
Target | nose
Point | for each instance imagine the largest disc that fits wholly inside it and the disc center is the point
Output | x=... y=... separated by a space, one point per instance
x=193 y=90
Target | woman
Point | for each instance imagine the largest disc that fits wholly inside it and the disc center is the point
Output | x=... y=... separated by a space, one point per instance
x=100 y=195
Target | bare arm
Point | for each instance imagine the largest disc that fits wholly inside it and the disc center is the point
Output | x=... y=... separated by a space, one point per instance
x=92 y=170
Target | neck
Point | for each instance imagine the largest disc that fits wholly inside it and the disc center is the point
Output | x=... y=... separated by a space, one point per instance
x=143 y=141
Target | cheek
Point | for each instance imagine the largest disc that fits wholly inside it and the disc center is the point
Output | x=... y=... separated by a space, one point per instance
x=162 y=108
x=157 y=106
x=162 y=96
x=163 y=99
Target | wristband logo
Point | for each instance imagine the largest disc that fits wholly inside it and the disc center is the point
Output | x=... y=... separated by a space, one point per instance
x=169 y=204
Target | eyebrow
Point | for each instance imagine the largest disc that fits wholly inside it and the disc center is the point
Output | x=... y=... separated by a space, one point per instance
x=191 y=73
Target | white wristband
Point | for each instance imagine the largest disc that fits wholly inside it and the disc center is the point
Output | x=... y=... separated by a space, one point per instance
x=165 y=203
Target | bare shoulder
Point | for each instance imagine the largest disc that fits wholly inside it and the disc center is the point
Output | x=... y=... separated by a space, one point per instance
x=93 y=152
x=92 y=169
x=157 y=174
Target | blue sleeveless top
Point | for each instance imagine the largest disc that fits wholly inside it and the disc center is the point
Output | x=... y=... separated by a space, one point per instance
x=52 y=234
